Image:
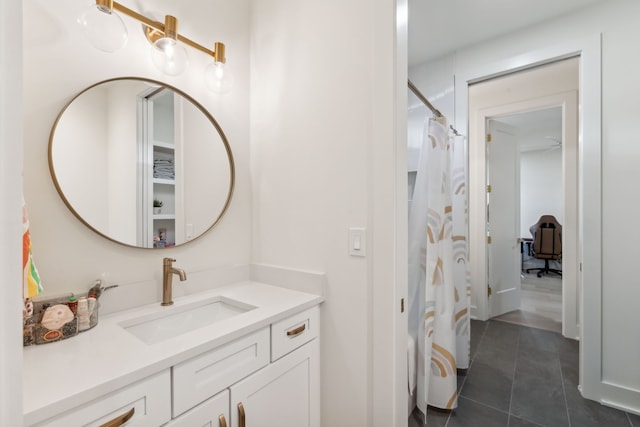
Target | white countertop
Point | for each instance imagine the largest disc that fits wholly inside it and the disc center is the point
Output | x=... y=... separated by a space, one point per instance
x=62 y=375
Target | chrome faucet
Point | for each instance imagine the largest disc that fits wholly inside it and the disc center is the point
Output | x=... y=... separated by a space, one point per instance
x=168 y=270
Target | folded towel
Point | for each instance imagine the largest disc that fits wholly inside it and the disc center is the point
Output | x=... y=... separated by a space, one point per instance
x=163 y=168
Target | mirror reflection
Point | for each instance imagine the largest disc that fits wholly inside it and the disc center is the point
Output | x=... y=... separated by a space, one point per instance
x=141 y=163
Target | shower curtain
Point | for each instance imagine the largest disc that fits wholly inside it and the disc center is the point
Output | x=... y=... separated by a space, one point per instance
x=438 y=274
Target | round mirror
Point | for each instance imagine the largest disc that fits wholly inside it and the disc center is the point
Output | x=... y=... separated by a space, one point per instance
x=141 y=163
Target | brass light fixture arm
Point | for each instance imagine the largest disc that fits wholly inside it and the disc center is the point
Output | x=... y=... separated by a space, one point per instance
x=218 y=54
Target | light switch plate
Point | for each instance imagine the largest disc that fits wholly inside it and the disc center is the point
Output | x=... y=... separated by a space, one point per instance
x=357 y=241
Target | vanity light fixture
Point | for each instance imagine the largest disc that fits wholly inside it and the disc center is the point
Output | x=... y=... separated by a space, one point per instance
x=104 y=29
x=168 y=56
x=107 y=32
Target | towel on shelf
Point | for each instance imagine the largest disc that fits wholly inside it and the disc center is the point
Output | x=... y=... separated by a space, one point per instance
x=31 y=285
x=163 y=167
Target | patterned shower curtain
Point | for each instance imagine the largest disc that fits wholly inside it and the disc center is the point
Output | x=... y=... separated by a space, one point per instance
x=438 y=273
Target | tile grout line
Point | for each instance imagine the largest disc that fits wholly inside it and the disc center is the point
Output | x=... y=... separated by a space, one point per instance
x=513 y=377
x=564 y=389
x=471 y=360
x=487 y=406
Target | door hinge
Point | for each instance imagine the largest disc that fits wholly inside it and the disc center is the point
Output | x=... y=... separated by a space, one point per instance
x=402 y=305
x=489 y=188
x=488 y=290
x=489 y=239
x=488 y=137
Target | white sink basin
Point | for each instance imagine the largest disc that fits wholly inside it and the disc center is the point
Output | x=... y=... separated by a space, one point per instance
x=169 y=322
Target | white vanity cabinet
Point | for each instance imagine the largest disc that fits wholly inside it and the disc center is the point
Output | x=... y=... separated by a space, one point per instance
x=283 y=393
x=266 y=376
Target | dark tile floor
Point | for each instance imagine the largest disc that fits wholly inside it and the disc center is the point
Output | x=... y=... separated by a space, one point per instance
x=522 y=377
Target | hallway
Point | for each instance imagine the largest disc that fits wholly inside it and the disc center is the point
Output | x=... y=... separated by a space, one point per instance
x=522 y=377
x=540 y=303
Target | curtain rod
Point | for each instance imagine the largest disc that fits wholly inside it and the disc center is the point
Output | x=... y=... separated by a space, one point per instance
x=424 y=99
x=426 y=102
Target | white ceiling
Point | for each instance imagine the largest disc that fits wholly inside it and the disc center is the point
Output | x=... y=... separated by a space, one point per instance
x=437 y=27
x=537 y=130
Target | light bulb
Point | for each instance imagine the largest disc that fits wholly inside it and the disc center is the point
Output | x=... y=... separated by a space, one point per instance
x=218 y=78
x=104 y=29
x=169 y=56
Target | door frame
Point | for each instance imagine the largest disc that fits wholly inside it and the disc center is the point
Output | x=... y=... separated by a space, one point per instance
x=589 y=177
x=568 y=101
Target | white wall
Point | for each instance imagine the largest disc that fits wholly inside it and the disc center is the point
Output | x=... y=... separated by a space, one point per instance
x=121 y=200
x=58 y=63
x=316 y=87
x=309 y=138
x=82 y=124
x=436 y=82
x=540 y=187
x=416 y=124
x=11 y=213
x=99 y=127
x=617 y=22
x=203 y=198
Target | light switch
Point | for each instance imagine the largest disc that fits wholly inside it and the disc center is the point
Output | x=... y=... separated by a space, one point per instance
x=357 y=241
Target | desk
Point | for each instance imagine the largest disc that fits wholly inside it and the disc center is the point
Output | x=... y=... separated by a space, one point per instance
x=525 y=241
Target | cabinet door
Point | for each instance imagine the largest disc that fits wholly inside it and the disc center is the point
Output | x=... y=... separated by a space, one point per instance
x=284 y=394
x=212 y=413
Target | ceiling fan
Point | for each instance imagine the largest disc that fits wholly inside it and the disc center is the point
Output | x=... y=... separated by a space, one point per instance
x=556 y=143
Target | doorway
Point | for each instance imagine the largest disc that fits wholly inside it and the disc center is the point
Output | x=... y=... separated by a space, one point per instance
x=525 y=171
x=553 y=85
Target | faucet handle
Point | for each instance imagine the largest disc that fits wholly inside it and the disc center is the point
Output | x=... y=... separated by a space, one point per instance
x=168 y=261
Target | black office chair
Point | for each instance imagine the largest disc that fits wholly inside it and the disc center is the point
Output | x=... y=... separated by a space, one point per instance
x=547 y=243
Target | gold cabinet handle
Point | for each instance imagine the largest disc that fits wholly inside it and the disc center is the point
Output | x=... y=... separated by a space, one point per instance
x=297 y=331
x=120 y=419
x=222 y=420
x=241 y=415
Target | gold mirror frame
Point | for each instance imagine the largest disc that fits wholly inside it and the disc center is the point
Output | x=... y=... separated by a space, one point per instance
x=211 y=119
